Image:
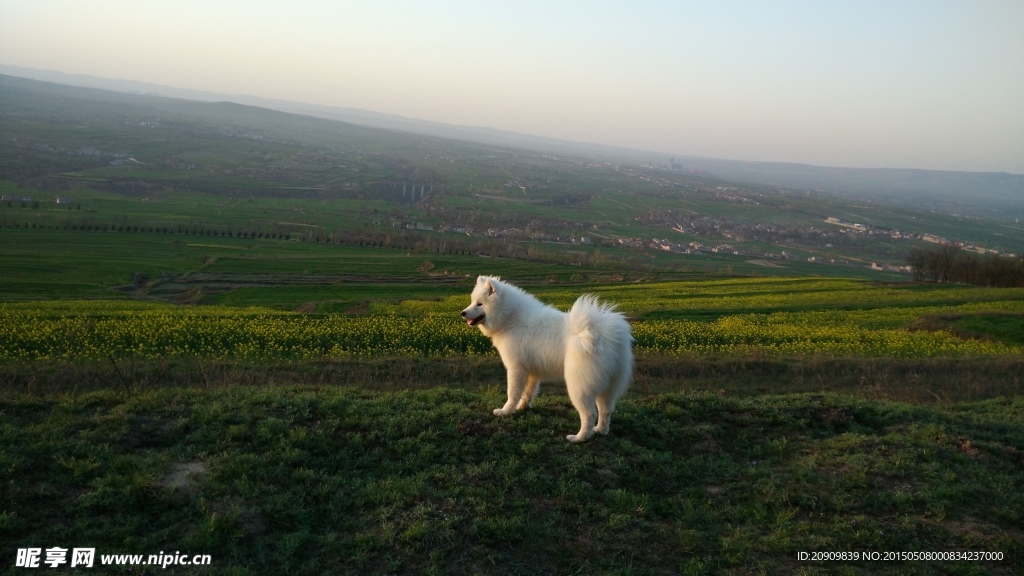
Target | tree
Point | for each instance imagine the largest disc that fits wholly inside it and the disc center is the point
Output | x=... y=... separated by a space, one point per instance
x=945 y=259
x=951 y=264
x=917 y=259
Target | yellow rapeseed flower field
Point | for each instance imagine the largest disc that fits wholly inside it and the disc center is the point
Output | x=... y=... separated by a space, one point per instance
x=775 y=317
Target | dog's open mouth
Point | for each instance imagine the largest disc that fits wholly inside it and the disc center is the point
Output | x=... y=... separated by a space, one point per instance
x=475 y=321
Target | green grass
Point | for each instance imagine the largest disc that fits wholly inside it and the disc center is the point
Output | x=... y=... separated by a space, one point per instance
x=312 y=480
x=1003 y=327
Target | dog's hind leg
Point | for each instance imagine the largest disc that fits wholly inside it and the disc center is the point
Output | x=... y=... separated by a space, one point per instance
x=529 y=393
x=583 y=401
x=608 y=397
x=606 y=403
x=517 y=384
x=605 y=407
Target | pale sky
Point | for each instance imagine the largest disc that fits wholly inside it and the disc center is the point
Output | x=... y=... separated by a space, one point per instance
x=898 y=83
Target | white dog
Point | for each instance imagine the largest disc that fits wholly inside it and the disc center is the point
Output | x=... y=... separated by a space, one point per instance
x=589 y=348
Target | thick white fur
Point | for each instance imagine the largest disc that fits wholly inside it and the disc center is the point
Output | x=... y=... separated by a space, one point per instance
x=589 y=348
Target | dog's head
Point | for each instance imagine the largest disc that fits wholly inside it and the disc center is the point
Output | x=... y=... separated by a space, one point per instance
x=483 y=297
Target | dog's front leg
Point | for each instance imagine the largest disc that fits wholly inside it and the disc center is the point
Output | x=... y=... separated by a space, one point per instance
x=517 y=378
x=529 y=393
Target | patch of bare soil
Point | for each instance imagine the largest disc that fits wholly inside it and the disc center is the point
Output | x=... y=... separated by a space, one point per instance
x=185 y=478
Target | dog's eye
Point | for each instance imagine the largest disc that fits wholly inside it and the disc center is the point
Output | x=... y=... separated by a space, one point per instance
x=479 y=303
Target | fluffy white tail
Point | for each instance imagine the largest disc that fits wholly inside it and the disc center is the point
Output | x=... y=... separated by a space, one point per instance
x=584 y=317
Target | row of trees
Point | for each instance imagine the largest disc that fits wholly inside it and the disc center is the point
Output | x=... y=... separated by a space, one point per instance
x=951 y=264
x=179 y=229
x=398 y=239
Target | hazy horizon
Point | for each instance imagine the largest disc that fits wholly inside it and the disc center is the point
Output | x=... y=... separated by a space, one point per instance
x=928 y=85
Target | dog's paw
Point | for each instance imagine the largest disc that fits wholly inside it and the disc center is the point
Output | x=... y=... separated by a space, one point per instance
x=501 y=412
x=576 y=438
x=598 y=430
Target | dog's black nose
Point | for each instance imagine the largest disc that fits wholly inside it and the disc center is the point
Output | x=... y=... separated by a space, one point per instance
x=463 y=313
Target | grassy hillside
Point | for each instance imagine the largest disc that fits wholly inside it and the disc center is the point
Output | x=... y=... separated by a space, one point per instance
x=993 y=194
x=144 y=161
x=312 y=480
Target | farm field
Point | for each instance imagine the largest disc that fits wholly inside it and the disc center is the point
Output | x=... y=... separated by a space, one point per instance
x=767 y=317
x=58 y=263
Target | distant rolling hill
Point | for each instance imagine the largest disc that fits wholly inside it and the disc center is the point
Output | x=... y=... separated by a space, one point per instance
x=987 y=194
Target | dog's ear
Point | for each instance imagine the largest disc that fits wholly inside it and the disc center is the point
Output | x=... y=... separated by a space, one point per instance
x=490 y=288
x=479 y=279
